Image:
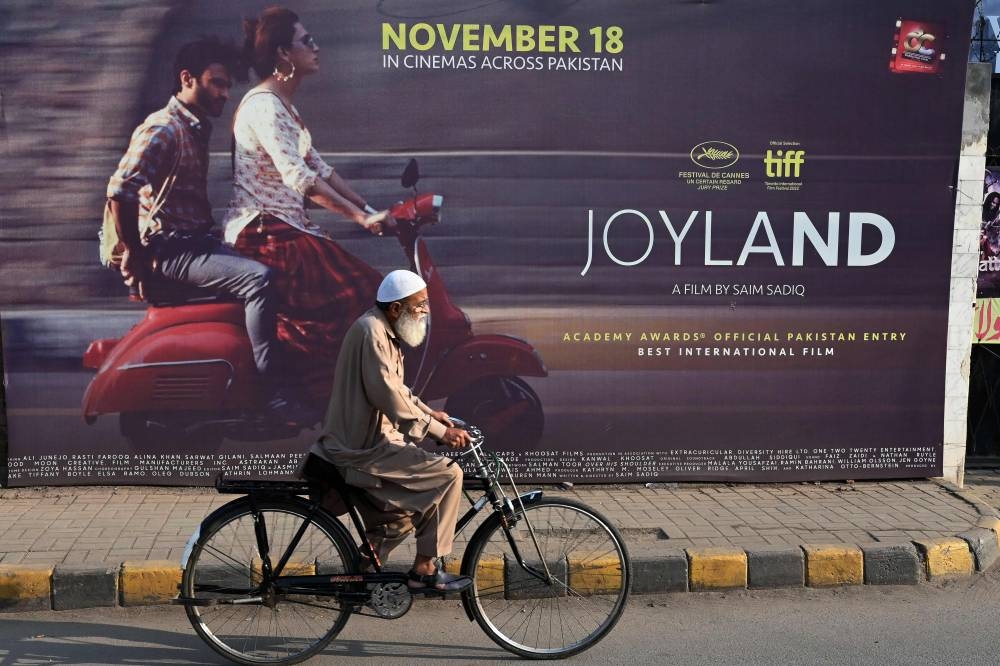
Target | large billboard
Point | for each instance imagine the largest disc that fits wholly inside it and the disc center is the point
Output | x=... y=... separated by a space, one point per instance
x=688 y=241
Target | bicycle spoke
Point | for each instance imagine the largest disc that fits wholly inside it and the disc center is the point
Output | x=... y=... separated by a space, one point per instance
x=284 y=628
x=583 y=596
x=225 y=556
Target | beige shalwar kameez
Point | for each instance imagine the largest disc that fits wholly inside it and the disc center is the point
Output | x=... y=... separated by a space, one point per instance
x=371 y=416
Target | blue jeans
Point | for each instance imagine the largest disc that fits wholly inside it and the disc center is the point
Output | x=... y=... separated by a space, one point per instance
x=204 y=261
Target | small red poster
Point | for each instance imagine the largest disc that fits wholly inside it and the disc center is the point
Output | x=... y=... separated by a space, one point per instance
x=918 y=47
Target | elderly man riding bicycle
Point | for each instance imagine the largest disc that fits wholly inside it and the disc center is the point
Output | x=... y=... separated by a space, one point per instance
x=371 y=424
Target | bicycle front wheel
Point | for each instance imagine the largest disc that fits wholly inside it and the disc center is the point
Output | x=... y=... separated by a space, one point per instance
x=556 y=586
x=241 y=615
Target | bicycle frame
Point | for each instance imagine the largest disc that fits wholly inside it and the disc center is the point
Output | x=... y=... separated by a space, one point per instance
x=353 y=587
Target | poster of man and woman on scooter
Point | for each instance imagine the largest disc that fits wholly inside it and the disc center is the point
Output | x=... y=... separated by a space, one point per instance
x=663 y=241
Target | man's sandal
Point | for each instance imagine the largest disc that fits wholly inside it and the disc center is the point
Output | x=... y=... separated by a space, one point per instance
x=438 y=582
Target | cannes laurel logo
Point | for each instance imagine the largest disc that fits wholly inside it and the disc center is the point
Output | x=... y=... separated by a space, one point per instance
x=715 y=154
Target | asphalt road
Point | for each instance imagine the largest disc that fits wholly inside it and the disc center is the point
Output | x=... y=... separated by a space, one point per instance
x=956 y=622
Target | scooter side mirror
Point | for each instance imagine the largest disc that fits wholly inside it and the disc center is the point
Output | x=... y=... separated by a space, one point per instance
x=411 y=174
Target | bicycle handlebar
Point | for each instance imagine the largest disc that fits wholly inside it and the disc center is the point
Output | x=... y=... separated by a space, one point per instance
x=475 y=434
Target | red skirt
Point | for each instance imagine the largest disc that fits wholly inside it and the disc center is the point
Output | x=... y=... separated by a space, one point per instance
x=321 y=290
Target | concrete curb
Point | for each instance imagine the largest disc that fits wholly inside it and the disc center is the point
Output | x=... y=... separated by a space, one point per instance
x=892 y=564
x=25 y=588
x=146 y=583
x=775 y=567
x=75 y=586
x=666 y=572
x=983 y=544
x=946 y=558
x=63 y=587
x=716 y=569
x=834 y=565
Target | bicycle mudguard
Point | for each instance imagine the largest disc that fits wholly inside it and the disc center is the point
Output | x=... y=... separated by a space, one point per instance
x=527 y=499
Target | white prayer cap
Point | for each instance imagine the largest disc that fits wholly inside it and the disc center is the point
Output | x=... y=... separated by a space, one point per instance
x=397 y=285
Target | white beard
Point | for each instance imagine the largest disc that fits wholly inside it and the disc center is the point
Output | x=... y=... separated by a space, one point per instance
x=411 y=329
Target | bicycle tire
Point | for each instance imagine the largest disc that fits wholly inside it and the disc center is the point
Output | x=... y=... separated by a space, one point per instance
x=591 y=579
x=225 y=566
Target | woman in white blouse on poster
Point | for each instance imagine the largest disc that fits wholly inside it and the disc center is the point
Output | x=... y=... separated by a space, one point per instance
x=322 y=288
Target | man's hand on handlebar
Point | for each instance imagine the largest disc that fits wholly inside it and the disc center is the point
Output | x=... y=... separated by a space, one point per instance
x=456 y=438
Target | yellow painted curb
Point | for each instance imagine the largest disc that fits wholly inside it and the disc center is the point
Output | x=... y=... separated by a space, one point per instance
x=992 y=524
x=291 y=568
x=833 y=565
x=590 y=575
x=947 y=557
x=153 y=582
x=451 y=564
x=717 y=568
x=25 y=587
x=489 y=576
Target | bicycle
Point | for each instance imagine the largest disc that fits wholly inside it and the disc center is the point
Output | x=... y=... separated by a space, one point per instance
x=273 y=577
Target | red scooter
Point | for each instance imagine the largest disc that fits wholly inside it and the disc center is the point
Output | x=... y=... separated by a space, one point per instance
x=186 y=372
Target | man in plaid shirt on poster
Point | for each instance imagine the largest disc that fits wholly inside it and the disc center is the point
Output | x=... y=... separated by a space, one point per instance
x=159 y=200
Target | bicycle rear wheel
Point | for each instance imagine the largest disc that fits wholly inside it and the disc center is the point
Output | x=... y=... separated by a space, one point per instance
x=236 y=612
x=551 y=616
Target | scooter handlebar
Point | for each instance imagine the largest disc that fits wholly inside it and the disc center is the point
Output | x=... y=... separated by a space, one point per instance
x=423 y=207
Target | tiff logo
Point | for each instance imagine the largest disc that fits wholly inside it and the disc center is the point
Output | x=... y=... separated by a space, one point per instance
x=784 y=164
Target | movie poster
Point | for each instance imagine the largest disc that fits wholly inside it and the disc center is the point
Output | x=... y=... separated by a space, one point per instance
x=674 y=241
x=988 y=284
x=985 y=329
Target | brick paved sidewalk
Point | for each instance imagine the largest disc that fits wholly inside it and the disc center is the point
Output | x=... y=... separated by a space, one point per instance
x=983 y=486
x=108 y=525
